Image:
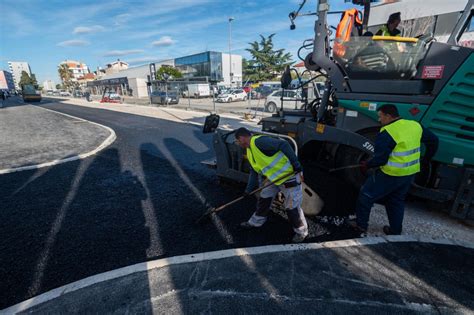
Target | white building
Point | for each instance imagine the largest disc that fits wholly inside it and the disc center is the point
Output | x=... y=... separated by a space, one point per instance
x=78 y=69
x=16 y=68
x=116 y=66
x=207 y=67
x=49 y=85
x=236 y=73
x=129 y=81
x=211 y=66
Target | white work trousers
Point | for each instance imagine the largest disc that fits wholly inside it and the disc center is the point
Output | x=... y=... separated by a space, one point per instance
x=293 y=200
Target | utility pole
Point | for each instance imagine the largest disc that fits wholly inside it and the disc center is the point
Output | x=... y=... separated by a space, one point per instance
x=230 y=50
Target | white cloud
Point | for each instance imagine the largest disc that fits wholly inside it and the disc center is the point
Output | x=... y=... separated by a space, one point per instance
x=163 y=41
x=88 y=29
x=122 y=18
x=122 y=52
x=73 y=42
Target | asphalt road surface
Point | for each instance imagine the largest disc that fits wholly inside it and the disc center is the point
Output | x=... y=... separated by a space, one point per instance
x=136 y=200
x=32 y=135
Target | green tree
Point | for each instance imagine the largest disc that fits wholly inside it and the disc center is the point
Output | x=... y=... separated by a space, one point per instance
x=25 y=79
x=33 y=80
x=172 y=73
x=66 y=76
x=59 y=87
x=267 y=63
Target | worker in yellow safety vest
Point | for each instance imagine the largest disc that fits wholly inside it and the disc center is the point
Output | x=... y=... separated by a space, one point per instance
x=273 y=160
x=397 y=156
x=390 y=29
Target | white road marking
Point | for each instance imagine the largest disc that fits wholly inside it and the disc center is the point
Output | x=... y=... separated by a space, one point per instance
x=110 y=139
x=146 y=266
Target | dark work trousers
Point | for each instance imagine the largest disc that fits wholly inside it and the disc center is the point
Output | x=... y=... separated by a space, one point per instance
x=387 y=190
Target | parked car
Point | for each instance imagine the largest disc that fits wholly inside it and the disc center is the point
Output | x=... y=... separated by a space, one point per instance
x=56 y=93
x=111 y=97
x=291 y=100
x=78 y=94
x=64 y=93
x=262 y=91
x=161 y=97
x=232 y=95
x=49 y=92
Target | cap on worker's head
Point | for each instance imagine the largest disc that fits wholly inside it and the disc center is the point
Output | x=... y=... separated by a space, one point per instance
x=397 y=16
x=389 y=109
x=242 y=132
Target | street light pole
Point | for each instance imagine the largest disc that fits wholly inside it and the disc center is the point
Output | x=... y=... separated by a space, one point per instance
x=230 y=50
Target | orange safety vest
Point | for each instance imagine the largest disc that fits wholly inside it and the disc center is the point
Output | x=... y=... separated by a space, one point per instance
x=344 y=30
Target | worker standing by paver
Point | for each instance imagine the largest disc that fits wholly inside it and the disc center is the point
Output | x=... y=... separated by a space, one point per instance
x=275 y=160
x=397 y=153
x=390 y=29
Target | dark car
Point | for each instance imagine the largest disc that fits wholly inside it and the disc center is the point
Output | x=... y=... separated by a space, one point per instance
x=161 y=97
x=262 y=91
x=77 y=94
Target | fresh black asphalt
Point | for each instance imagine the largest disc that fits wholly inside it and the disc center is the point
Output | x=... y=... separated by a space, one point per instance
x=31 y=136
x=383 y=278
x=136 y=200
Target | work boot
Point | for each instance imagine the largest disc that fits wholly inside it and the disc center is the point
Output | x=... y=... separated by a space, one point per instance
x=247 y=226
x=298 y=238
x=359 y=232
x=388 y=231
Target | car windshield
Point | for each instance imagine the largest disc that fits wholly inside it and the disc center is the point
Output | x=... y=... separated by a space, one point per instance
x=366 y=58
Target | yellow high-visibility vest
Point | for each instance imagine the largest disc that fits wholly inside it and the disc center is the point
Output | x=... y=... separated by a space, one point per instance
x=275 y=168
x=386 y=31
x=405 y=157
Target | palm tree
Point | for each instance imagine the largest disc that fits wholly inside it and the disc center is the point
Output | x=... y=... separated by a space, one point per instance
x=65 y=75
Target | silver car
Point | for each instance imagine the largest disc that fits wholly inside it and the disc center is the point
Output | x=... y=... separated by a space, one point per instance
x=291 y=100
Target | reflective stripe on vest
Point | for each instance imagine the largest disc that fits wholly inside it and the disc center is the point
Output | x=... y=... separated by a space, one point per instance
x=405 y=157
x=395 y=164
x=273 y=167
x=405 y=153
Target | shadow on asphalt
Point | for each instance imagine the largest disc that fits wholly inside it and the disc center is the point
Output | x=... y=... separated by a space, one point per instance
x=131 y=204
x=125 y=205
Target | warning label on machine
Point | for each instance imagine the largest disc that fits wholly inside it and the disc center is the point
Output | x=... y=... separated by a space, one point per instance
x=432 y=72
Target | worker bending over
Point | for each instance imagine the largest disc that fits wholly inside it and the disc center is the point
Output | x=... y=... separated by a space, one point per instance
x=390 y=29
x=397 y=153
x=274 y=160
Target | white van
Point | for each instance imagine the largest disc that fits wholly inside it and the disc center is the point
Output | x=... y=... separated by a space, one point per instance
x=197 y=90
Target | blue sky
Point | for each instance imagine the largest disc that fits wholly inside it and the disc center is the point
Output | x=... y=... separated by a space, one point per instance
x=44 y=33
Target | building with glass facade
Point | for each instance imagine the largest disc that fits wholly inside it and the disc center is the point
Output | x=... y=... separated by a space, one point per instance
x=211 y=66
x=207 y=67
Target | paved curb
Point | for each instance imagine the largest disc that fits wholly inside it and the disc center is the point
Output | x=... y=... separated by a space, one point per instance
x=110 y=139
x=162 y=108
x=140 y=267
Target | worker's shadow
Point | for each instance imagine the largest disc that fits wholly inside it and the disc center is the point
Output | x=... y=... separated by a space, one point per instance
x=75 y=220
x=190 y=188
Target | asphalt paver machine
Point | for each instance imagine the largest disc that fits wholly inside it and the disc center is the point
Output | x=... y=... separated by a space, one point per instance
x=430 y=82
